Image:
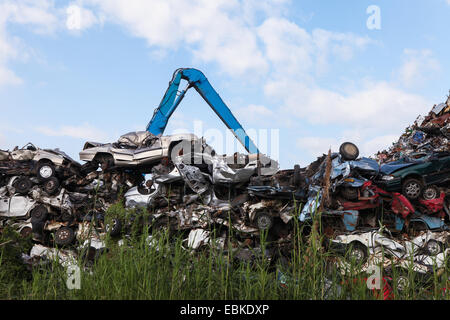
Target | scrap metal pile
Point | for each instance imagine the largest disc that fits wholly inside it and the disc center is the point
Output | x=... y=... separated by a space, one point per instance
x=399 y=203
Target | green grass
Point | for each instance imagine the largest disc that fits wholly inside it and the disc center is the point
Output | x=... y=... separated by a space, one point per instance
x=165 y=270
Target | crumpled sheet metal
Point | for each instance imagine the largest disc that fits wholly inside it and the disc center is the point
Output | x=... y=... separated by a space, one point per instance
x=197 y=238
x=230 y=170
x=222 y=173
x=376 y=242
x=66 y=258
x=313 y=203
x=194 y=178
x=61 y=201
x=421 y=263
x=426 y=134
x=136 y=139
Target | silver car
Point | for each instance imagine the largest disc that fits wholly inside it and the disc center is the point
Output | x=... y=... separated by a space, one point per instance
x=32 y=160
x=135 y=149
x=16 y=206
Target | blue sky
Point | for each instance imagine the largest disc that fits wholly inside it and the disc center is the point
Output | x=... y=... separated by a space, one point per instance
x=72 y=71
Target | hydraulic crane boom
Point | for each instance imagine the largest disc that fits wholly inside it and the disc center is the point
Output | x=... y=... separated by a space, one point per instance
x=172 y=99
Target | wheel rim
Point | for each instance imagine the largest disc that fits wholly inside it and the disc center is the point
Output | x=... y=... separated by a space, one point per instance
x=38 y=214
x=51 y=185
x=112 y=226
x=23 y=185
x=413 y=190
x=264 y=222
x=402 y=283
x=63 y=234
x=45 y=172
x=357 y=254
x=433 y=248
x=25 y=232
x=430 y=193
x=350 y=149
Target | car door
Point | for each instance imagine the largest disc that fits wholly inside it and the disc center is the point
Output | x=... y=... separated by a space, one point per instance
x=438 y=171
x=149 y=154
x=122 y=156
x=19 y=206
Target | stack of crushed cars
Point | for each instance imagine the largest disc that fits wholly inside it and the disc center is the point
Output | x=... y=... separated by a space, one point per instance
x=48 y=195
x=397 y=202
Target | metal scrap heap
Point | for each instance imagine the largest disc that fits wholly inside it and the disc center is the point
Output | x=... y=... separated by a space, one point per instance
x=398 y=203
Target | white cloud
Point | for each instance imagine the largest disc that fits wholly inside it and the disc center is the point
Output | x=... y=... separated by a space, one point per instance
x=79 y=18
x=376 y=105
x=316 y=146
x=214 y=31
x=255 y=114
x=84 y=132
x=418 y=66
x=39 y=14
x=372 y=146
x=293 y=50
x=372 y=117
x=8 y=77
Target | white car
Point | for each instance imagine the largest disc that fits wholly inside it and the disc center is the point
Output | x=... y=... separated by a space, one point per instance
x=136 y=149
x=16 y=206
x=31 y=160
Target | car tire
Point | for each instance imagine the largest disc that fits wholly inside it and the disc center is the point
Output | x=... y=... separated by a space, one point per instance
x=64 y=236
x=412 y=188
x=433 y=248
x=114 y=228
x=22 y=185
x=26 y=232
x=349 y=151
x=51 y=186
x=358 y=252
x=264 y=221
x=45 y=170
x=350 y=193
x=39 y=213
x=430 y=193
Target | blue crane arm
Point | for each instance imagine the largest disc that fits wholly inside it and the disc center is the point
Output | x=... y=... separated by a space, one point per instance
x=173 y=97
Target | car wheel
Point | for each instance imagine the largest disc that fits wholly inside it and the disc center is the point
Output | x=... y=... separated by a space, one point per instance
x=357 y=252
x=430 y=193
x=350 y=193
x=22 y=185
x=51 y=186
x=39 y=213
x=433 y=248
x=264 y=221
x=64 y=236
x=412 y=188
x=45 y=170
x=402 y=283
x=114 y=227
x=349 y=151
